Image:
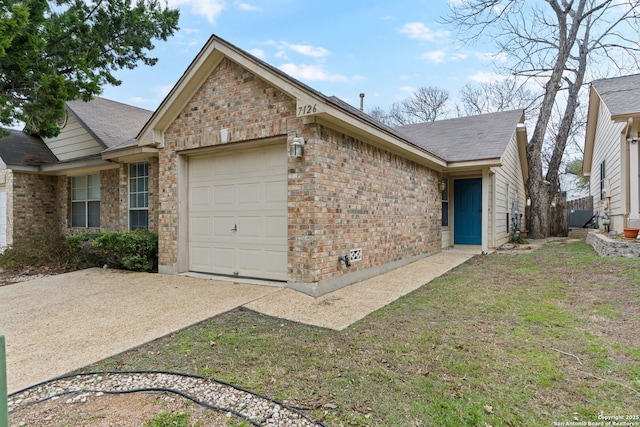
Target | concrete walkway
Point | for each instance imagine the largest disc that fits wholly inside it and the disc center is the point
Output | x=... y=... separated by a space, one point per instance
x=58 y=324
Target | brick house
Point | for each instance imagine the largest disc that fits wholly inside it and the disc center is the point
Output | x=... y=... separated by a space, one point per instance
x=243 y=171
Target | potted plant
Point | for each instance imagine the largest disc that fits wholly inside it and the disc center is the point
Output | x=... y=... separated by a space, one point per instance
x=630 y=232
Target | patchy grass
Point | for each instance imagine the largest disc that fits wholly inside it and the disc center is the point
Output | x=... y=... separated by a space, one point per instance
x=503 y=340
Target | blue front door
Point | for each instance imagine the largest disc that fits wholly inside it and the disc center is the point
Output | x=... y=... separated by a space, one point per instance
x=467 y=211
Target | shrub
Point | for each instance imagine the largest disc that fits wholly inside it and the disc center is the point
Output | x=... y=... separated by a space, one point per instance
x=46 y=250
x=131 y=250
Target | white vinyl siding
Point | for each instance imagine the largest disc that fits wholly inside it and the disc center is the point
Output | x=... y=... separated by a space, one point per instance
x=607 y=149
x=73 y=142
x=509 y=193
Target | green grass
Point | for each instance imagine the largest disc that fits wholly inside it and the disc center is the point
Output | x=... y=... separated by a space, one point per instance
x=167 y=419
x=502 y=340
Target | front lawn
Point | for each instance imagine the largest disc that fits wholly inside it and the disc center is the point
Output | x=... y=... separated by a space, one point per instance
x=516 y=339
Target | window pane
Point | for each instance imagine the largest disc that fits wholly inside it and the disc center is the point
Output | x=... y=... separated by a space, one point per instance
x=142 y=200
x=79 y=188
x=94 y=214
x=445 y=214
x=138 y=220
x=93 y=187
x=78 y=214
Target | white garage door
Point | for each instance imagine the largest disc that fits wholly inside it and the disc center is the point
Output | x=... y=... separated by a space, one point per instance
x=238 y=213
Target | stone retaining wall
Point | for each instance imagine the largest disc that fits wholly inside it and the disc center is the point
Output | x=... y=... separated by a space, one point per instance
x=607 y=247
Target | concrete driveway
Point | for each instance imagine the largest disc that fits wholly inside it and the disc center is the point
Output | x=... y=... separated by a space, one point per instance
x=58 y=324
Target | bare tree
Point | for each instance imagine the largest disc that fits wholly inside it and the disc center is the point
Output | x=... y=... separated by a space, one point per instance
x=554 y=42
x=427 y=104
x=502 y=95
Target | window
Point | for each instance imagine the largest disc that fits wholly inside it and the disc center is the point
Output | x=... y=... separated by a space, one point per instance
x=139 y=196
x=445 y=203
x=602 y=176
x=85 y=201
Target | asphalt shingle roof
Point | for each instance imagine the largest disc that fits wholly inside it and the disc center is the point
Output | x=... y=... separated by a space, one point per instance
x=485 y=136
x=112 y=123
x=620 y=94
x=20 y=149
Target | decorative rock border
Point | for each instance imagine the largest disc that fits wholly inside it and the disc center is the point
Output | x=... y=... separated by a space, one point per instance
x=217 y=395
x=607 y=247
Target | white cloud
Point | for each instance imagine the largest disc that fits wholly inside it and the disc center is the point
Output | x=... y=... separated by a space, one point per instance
x=302 y=49
x=311 y=73
x=435 y=56
x=442 y=55
x=417 y=30
x=209 y=8
x=486 y=77
x=408 y=89
x=247 y=7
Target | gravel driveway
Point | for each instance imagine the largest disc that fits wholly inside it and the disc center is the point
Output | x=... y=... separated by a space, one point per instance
x=60 y=323
x=57 y=324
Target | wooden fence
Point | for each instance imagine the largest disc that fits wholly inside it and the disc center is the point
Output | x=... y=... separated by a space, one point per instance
x=559 y=217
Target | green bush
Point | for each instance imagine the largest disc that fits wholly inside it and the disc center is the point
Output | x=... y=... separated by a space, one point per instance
x=131 y=250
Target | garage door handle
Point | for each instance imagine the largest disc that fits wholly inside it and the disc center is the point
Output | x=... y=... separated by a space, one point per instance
x=235 y=227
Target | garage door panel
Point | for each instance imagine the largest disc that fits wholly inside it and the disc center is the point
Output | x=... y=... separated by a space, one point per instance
x=250 y=227
x=223 y=195
x=248 y=189
x=200 y=197
x=273 y=259
x=224 y=260
x=275 y=192
x=249 y=261
x=249 y=195
x=223 y=226
x=199 y=169
x=200 y=256
x=200 y=229
x=275 y=227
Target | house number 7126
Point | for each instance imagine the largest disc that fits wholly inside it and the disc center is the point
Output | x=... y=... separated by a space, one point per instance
x=307 y=109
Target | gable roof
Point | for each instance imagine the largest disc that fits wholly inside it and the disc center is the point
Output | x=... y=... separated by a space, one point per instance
x=481 y=137
x=621 y=95
x=329 y=110
x=21 y=150
x=111 y=123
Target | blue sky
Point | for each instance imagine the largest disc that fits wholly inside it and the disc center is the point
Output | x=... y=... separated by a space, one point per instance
x=386 y=49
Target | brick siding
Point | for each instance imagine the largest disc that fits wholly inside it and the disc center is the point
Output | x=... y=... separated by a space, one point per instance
x=34 y=207
x=347 y=194
x=343 y=194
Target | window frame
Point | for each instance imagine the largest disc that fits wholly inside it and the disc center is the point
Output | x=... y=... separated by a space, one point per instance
x=444 y=221
x=137 y=195
x=87 y=194
x=603 y=171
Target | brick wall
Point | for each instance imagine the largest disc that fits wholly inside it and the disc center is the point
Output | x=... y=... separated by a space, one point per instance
x=34 y=205
x=347 y=194
x=343 y=194
x=112 y=199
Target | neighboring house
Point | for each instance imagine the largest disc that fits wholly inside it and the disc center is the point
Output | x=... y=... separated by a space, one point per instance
x=612 y=154
x=570 y=185
x=244 y=171
x=68 y=184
